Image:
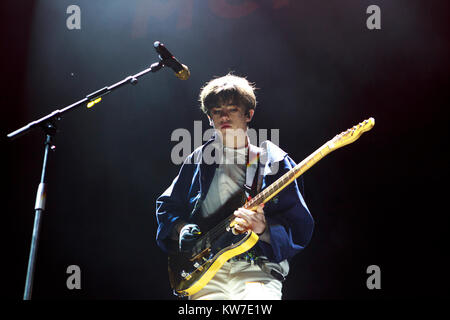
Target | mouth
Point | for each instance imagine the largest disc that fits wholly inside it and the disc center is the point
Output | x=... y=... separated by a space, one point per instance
x=225 y=126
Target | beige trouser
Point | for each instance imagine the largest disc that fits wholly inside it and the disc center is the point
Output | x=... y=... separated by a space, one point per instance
x=240 y=280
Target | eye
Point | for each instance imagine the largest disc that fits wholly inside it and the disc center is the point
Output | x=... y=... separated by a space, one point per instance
x=215 y=112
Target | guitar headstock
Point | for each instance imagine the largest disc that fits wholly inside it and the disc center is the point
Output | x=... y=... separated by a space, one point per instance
x=351 y=135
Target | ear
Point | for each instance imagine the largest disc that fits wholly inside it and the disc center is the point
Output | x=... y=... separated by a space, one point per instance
x=250 y=114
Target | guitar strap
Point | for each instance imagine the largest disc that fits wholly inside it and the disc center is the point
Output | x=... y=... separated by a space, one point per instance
x=253 y=177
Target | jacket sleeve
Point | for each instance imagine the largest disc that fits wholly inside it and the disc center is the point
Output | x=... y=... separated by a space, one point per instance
x=172 y=206
x=289 y=220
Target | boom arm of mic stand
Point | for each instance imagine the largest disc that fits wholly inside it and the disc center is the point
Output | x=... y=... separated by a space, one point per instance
x=47 y=123
x=57 y=114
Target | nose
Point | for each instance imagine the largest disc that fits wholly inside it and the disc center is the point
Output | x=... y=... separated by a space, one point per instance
x=224 y=115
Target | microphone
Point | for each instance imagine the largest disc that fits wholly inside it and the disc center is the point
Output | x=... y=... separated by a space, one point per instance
x=181 y=71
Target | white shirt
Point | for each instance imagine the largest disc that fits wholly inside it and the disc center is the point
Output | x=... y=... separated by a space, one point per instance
x=228 y=179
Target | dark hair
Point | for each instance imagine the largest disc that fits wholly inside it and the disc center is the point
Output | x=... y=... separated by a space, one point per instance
x=229 y=89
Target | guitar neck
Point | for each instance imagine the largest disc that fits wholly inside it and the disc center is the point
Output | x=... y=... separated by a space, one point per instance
x=342 y=139
x=282 y=182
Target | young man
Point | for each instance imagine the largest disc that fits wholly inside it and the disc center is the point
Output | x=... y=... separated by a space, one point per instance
x=213 y=174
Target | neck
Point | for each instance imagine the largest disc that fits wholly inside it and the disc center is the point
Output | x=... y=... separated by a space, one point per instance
x=235 y=141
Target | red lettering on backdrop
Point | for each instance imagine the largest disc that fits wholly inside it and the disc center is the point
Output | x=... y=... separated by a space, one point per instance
x=280 y=3
x=146 y=10
x=185 y=17
x=162 y=9
x=225 y=9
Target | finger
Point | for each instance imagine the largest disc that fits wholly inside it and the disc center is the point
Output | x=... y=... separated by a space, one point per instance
x=239 y=226
x=260 y=209
x=242 y=214
x=241 y=222
x=237 y=230
x=253 y=215
x=245 y=213
x=237 y=221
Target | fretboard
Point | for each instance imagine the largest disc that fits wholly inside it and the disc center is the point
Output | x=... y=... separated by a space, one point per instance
x=282 y=182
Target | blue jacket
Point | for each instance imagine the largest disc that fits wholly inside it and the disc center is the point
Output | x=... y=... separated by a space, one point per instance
x=289 y=220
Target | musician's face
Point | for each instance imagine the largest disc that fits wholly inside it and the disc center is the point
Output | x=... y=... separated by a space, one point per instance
x=230 y=119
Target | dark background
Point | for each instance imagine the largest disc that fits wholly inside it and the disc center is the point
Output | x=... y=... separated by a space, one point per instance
x=380 y=201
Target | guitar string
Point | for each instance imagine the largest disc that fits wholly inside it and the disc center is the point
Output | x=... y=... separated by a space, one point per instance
x=218 y=229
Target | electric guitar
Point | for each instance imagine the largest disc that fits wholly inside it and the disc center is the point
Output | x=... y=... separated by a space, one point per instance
x=190 y=272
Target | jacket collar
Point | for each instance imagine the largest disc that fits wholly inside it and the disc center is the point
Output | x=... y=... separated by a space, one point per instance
x=270 y=153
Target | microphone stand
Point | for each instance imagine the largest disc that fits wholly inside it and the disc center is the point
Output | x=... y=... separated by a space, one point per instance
x=48 y=125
